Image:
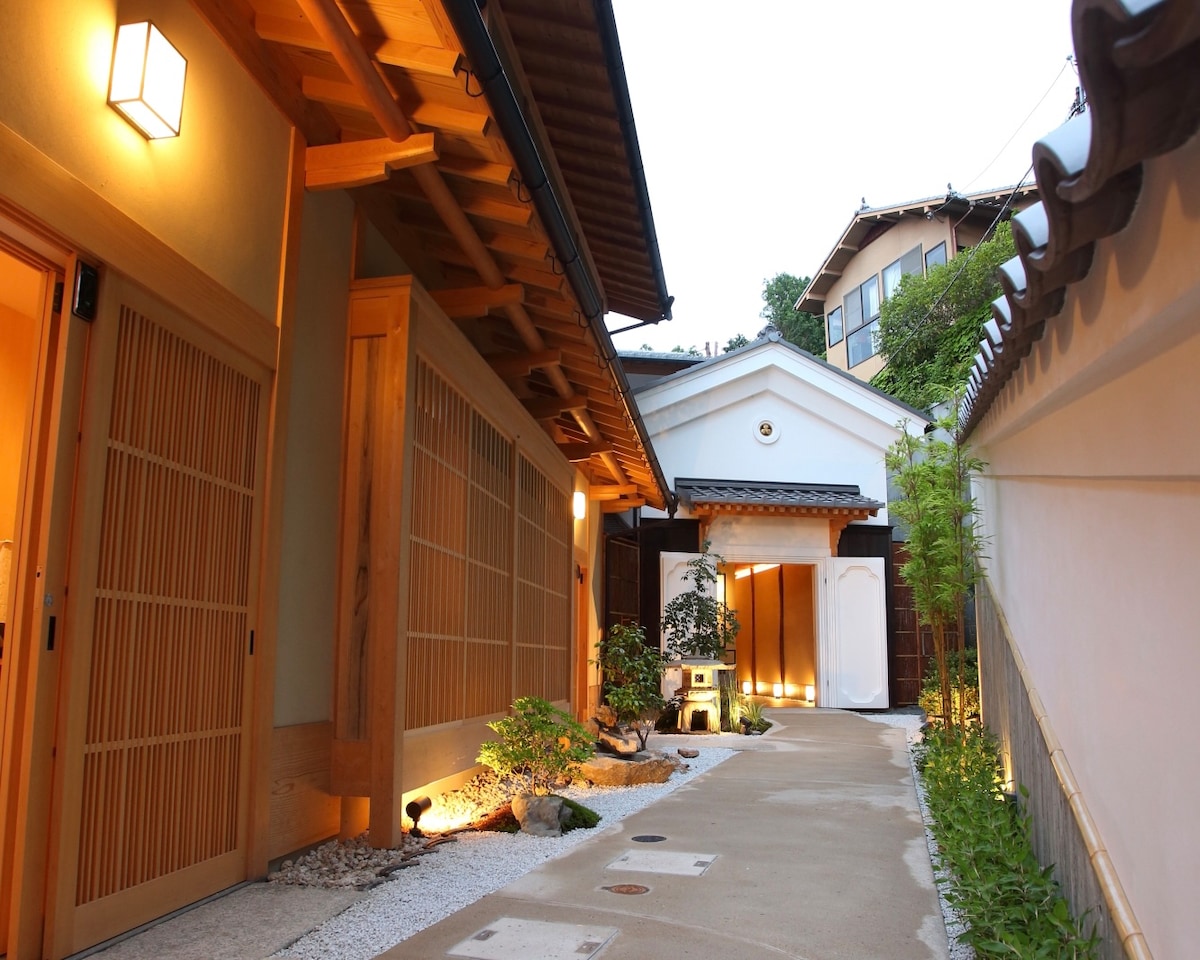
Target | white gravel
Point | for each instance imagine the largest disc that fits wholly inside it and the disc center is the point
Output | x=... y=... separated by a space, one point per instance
x=454 y=875
x=911 y=722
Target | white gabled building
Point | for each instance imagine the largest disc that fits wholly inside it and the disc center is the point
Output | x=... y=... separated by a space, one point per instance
x=779 y=457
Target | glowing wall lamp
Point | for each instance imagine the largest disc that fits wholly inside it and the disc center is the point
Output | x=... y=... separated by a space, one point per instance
x=147 y=80
x=579 y=505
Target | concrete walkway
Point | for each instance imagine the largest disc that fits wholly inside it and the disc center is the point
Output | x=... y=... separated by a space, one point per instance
x=809 y=846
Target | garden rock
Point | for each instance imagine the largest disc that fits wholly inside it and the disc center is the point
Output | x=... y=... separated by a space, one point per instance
x=540 y=816
x=618 y=742
x=688 y=754
x=611 y=772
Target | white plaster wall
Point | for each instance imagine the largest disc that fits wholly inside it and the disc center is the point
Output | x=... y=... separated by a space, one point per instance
x=308 y=566
x=766 y=539
x=1092 y=506
x=828 y=428
x=215 y=193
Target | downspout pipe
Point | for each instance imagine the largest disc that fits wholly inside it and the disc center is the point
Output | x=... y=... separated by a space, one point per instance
x=510 y=119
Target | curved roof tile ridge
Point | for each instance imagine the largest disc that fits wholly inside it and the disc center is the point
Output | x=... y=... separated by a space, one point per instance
x=1139 y=61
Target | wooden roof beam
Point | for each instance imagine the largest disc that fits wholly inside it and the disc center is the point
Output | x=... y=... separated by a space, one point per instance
x=522 y=365
x=427 y=114
x=550 y=408
x=620 y=506
x=578 y=452
x=414 y=57
x=339 y=166
x=611 y=491
x=329 y=22
x=467 y=303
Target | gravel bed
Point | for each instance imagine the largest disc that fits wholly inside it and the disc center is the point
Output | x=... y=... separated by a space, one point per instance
x=455 y=874
x=911 y=722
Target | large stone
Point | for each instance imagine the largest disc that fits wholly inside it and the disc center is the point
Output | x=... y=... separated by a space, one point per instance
x=621 y=743
x=540 y=816
x=611 y=772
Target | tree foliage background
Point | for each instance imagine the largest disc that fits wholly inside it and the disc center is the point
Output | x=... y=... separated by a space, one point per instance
x=780 y=294
x=926 y=357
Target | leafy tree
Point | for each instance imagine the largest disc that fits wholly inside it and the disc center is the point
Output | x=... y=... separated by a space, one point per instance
x=933 y=476
x=691 y=351
x=538 y=743
x=632 y=673
x=696 y=623
x=736 y=343
x=803 y=329
x=929 y=339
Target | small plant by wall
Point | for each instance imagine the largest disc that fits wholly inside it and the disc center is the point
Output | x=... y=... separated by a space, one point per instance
x=967 y=696
x=1011 y=904
x=539 y=744
x=632 y=672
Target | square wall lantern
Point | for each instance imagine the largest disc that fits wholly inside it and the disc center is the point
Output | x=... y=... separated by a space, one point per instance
x=579 y=505
x=147 y=80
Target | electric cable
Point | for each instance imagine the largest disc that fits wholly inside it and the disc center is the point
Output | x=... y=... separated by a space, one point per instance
x=1020 y=126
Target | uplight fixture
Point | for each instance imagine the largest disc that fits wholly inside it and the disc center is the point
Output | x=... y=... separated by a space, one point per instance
x=579 y=505
x=747 y=687
x=147 y=80
x=810 y=692
x=414 y=809
x=777 y=691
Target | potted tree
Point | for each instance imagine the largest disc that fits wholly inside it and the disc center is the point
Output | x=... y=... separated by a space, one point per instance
x=632 y=678
x=695 y=624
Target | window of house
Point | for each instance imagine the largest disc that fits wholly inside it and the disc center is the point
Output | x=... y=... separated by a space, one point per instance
x=936 y=256
x=897 y=269
x=834 y=323
x=862 y=344
x=862 y=320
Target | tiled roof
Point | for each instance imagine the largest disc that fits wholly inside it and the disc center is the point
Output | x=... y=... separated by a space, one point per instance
x=1139 y=62
x=765 y=493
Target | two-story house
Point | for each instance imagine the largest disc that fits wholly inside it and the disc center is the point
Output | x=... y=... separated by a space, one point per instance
x=878 y=247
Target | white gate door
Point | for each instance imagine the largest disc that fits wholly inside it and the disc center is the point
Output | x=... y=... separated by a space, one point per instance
x=859 y=676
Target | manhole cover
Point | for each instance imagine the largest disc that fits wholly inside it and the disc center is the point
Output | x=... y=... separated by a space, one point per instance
x=648 y=838
x=629 y=889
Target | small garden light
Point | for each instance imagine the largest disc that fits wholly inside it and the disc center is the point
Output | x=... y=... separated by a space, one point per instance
x=747 y=687
x=810 y=692
x=414 y=809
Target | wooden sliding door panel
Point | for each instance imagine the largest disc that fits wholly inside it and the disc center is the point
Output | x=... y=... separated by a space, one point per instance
x=156 y=769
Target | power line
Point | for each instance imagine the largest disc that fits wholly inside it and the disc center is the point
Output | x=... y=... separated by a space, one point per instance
x=1021 y=126
x=966 y=262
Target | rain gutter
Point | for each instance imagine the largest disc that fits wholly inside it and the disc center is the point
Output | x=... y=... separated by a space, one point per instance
x=488 y=69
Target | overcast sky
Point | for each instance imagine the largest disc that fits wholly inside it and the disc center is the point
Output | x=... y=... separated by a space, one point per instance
x=764 y=123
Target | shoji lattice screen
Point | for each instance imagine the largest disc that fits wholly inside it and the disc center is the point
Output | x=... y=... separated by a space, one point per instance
x=460 y=605
x=163 y=755
x=543 y=586
x=463 y=636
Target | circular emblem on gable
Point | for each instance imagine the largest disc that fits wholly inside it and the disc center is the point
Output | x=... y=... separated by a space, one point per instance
x=765 y=431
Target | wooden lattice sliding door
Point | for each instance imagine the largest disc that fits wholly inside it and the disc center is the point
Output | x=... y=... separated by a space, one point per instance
x=544 y=629
x=154 y=778
x=460 y=564
x=489 y=566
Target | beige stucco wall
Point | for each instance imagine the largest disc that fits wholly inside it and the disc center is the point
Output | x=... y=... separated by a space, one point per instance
x=215 y=194
x=870 y=261
x=1092 y=506
x=308 y=565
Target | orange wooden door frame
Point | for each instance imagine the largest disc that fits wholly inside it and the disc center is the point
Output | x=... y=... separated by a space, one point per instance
x=151 y=794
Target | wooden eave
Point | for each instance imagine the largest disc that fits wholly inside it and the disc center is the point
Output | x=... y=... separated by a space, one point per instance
x=411 y=46
x=709 y=510
x=872 y=222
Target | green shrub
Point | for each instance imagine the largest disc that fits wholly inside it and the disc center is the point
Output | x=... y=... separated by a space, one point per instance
x=752 y=716
x=1011 y=904
x=930 y=699
x=632 y=673
x=538 y=743
x=581 y=818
